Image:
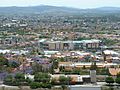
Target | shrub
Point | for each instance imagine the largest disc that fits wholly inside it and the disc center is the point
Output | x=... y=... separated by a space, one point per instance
x=8 y=80
x=117 y=80
x=34 y=85
x=109 y=80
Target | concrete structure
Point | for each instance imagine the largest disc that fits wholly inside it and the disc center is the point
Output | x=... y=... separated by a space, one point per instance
x=93 y=76
x=111 y=56
x=88 y=65
x=70 y=45
x=75 y=78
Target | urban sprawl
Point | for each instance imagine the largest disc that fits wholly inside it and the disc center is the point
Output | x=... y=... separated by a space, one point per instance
x=43 y=51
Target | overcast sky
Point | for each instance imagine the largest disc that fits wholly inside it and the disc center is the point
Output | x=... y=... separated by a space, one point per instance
x=67 y=3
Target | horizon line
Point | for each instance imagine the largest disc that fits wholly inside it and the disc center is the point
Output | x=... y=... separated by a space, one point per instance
x=59 y=6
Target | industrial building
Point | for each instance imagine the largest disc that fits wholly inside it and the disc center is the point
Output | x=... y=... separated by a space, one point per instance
x=70 y=45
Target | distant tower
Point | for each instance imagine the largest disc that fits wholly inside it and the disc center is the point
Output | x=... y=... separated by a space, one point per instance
x=93 y=76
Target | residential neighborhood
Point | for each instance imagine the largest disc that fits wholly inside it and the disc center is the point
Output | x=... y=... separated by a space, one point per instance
x=41 y=49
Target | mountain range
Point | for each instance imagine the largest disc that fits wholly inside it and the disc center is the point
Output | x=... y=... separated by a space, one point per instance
x=55 y=9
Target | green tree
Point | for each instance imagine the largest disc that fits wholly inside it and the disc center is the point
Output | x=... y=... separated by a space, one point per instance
x=20 y=77
x=88 y=59
x=61 y=59
x=63 y=87
x=109 y=80
x=103 y=71
x=62 y=68
x=93 y=66
x=51 y=69
x=42 y=77
x=8 y=80
x=28 y=80
x=46 y=85
x=3 y=61
x=117 y=80
x=35 y=85
x=14 y=65
x=64 y=80
x=55 y=64
x=53 y=81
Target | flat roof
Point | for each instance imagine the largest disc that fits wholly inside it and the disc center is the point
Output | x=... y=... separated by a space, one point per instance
x=110 y=52
x=69 y=41
x=50 y=52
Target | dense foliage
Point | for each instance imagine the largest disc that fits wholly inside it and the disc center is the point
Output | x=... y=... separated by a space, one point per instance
x=18 y=79
x=109 y=80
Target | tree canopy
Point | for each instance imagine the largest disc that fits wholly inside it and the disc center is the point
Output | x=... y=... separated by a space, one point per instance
x=109 y=80
x=117 y=80
x=3 y=61
x=42 y=77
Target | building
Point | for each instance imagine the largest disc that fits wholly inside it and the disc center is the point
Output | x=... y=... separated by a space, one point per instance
x=114 y=71
x=70 y=45
x=111 y=56
x=87 y=65
x=93 y=76
x=74 y=78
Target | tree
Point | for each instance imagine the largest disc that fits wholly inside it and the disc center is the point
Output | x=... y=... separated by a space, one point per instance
x=103 y=71
x=117 y=80
x=64 y=80
x=63 y=87
x=55 y=64
x=28 y=80
x=21 y=58
x=51 y=69
x=17 y=80
x=42 y=77
x=3 y=61
x=76 y=71
x=14 y=65
x=61 y=59
x=93 y=66
x=109 y=80
x=88 y=59
x=9 y=69
x=20 y=77
x=8 y=80
x=37 y=67
x=46 y=85
x=84 y=67
x=118 y=75
x=62 y=68
x=41 y=80
x=53 y=81
x=35 y=85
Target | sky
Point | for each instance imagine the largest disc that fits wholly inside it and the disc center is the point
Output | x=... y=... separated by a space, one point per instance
x=67 y=3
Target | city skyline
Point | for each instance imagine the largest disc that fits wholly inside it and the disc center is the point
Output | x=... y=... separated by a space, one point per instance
x=83 y=4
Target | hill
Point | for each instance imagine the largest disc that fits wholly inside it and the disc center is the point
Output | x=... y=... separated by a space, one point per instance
x=54 y=9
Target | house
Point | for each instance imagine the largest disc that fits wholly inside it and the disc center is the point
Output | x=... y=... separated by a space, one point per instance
x=111 y=56
x=114 y=71
x=74 y=78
